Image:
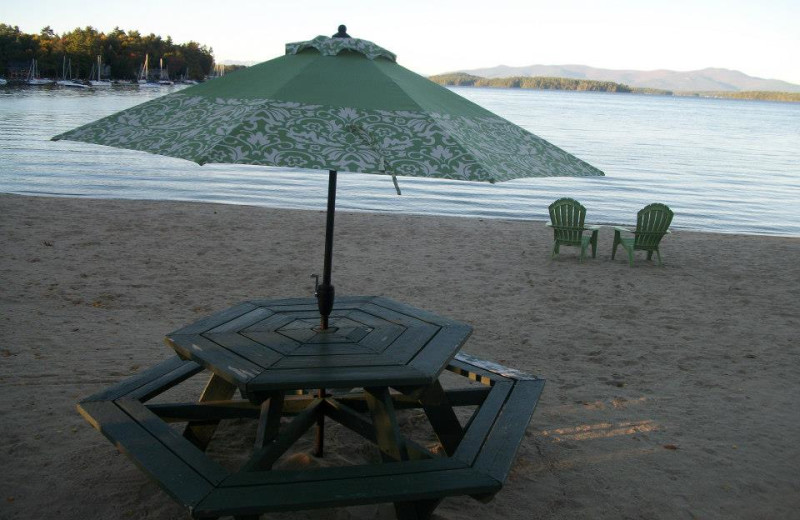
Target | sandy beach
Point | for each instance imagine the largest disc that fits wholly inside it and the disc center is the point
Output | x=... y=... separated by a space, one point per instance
x=671 y=392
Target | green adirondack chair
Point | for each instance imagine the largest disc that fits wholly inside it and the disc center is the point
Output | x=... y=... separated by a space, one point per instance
x=567 y=220
x=652 y=222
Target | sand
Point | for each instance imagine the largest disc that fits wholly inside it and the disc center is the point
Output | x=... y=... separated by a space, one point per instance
x=671 y=392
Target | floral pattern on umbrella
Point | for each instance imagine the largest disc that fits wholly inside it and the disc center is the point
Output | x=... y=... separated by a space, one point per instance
x=298 y=135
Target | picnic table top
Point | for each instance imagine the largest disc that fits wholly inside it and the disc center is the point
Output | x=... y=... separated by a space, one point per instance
x=266 y=345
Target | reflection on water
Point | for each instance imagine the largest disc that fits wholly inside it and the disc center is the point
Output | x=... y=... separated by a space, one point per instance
x=721 y=165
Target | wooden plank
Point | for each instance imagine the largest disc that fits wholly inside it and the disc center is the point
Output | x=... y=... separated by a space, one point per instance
x=322 y=475
x=398 y=317
x=497 y=455
x=364 y=358
x=494 y=368
x=410 y=342
x=474 y=373
x=241 y=322
x=388 y=436
x=131 y=384
x=162 y=384
x=180 y=480
x=440 y=350
x=217 y=389
x=470 y=396
x=218 y=410
x=383 y=334
x=211 y=411
x=467 y=396
x=327 y=377
x=231 y=367
x=186 y=451
x=482 y=422
x=272 y=340
x=253 y=351
x=265 y=457
x=344 y=492
x=215 y=320
x=270 y=303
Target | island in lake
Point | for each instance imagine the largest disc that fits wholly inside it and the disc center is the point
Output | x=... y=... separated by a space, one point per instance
x=463 y=79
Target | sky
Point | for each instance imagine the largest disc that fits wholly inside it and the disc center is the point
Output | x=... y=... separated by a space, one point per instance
x=758 y=37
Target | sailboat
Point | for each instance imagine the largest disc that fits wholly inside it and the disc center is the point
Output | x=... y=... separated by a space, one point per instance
x=186 y=81
x=163 y=74
x=144 y=72
x=33 y=75
x=66 y=75
x=101 y=83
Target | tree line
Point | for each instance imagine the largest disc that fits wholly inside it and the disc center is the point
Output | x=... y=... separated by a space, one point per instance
x=461 y=79
x=122 y=53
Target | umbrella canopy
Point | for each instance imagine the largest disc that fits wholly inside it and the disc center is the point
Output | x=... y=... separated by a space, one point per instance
x=337 y=104
x=334 y=104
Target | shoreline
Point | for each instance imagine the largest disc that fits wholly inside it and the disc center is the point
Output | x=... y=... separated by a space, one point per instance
x=631 y=224
x=675 y=384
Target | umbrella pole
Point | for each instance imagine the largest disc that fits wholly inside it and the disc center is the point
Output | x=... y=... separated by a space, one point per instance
x=325 y=294
x=325 y=291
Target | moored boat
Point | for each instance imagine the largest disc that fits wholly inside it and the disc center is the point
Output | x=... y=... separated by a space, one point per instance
x=99 y=83
x=33 y=76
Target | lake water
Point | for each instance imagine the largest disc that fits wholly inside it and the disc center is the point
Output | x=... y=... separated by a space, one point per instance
x=722 y=165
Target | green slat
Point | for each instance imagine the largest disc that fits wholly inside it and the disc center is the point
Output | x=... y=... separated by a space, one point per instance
x=346 y=377
x=181 y=412
x=339 y=362
x=276 y=341
x=245 y=320
x=384 y=333
x=258 y=478
x=366 y=490
x=237 y=371
x=173 y=441
x=215 y=319
x=172 y=473
x=473 y=372
x=271 y=323
x=394 y=316
x=482 y=422
x=143 y=378
x=165 y=382
x=245 y=347
x=494 y=368
x=440 y=349
x=497 y=455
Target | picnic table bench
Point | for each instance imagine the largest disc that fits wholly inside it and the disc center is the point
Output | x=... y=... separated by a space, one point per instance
x=474 y=459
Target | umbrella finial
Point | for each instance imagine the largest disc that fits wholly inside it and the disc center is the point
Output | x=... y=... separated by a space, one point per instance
x=342 y=32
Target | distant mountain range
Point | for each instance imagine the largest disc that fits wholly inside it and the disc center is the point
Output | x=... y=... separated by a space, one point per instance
x=697 y=80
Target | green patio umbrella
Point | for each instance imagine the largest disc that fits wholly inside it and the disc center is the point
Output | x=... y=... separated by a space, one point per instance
x=336 y=104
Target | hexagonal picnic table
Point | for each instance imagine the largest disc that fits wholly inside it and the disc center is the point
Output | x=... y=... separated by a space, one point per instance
x=376 y=357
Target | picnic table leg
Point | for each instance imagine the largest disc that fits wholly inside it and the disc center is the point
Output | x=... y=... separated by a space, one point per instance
x=390 y=440
x=200 y=433
x=442 y=417
x=319 y=440
x=419 y=510
x=269 y=421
